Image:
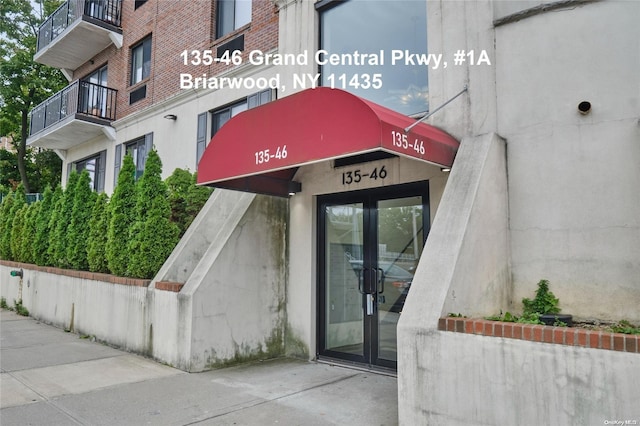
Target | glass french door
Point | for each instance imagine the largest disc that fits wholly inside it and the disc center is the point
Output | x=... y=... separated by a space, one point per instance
x=369 y=246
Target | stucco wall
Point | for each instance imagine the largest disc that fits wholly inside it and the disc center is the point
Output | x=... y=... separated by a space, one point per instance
x=573 y=179
x=464 y=379
x=113 y=313
x=239 y=305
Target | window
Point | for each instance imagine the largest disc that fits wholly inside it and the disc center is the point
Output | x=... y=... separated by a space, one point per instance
x=95 y=165
x=220 y=116
x=141 y=61
x=138 y=3
x=372 y=27
x=138 y=149
x=94 y=93
x=231 y=15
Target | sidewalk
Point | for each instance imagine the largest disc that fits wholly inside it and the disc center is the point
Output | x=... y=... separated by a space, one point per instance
x=50 y=377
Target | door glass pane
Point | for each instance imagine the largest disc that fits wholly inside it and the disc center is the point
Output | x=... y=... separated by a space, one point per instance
x=400 y=237
x=344 y=261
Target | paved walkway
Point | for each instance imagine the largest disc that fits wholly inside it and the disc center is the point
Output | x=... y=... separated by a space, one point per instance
x=49 y=377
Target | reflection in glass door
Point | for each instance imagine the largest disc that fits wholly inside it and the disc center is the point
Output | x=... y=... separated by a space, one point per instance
x=344 y=249
x=400 y=241
x=370 y=244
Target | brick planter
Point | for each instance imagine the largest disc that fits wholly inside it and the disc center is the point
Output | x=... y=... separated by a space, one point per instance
x=542 y=333
x=95 y=276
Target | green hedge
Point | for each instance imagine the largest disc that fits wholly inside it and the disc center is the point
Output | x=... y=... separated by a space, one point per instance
x=131 y=234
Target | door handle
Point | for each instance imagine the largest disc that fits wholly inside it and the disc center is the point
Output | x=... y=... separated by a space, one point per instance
x=360 y=280
x=380 y=281
x=369 y=304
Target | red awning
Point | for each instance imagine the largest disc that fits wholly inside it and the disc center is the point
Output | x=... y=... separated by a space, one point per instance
x=259 y=150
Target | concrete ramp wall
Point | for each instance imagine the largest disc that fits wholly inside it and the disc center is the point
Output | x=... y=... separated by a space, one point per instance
x=464 y=267
x=460 y=379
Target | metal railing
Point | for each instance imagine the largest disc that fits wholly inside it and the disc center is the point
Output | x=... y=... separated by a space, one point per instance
x=107 y=11
x=82 y=97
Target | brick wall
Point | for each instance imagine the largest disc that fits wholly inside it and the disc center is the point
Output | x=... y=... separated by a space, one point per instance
x=94 y=276
x=175 y=26
x=570 y=336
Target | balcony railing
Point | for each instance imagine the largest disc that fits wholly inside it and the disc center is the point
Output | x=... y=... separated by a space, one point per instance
x=106 y=11
x=81 y=97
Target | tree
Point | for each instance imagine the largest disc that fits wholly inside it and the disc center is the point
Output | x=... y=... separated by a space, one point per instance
x=45 y=170
x=9 y=174
x=28 y=233
x=23 y=82
x=197 y=197
x=78 y=233
x=185 y=197
x=57 y=202
x=153 y=235
x=41 y=241
x=98 y=228
x=59 y=240
x=122 y=208
x=5 y=226
x=15 y=202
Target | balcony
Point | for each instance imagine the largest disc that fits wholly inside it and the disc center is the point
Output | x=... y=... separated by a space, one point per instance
x=77 y=31
x=74 y=115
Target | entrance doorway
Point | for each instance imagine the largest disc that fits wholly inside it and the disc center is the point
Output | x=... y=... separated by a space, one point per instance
x=369 y=246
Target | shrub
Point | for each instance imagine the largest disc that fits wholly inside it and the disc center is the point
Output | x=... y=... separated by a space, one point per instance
x=78 y=233
x=16 y=231
x=62 y=221
x=153 y=235
x=5 y=226
x=57 y=202
x=15 y=202
x=41 y=239
x=545 y=301
x=98 y=228
x=197 y=197
x=185 y=197
x=178 y=186
x=122 y=216
x=28 y=233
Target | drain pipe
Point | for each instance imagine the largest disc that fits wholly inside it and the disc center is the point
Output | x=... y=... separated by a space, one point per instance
x=18 y=273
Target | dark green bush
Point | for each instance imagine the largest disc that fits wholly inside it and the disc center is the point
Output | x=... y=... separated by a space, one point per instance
x=16 y=202
x=78 y=234
x=41 y=239
x=122 y=216
x=28 y=233
x=5 y=226
x=57 y=203
x=60 y=239
x=16 y=231
x=98 y=229
x=153 y=235
x=185 y=197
